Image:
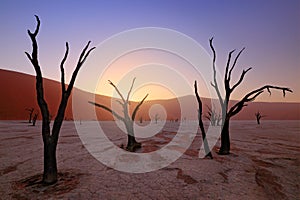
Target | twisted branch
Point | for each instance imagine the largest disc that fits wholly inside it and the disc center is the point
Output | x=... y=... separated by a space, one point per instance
x=63 y=86
x=137 y=107
x=215 y=84
x=251 y=96
x=108 y=109
x=120 y=94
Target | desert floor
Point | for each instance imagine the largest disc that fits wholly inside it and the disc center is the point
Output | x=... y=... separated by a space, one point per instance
x=264 y=164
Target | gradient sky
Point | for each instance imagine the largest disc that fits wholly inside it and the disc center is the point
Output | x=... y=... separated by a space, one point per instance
x=270 y=31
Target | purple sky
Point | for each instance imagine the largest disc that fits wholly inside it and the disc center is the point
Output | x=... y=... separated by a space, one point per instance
x=270 y=31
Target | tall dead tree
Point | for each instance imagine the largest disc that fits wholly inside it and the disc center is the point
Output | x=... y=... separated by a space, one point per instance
x=30 y=110
x=204 y=139
x=227 y=113
x=50 y=138
x=258 y=117
x=128 y=120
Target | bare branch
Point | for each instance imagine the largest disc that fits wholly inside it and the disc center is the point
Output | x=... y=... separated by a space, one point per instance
x=122 y=104
x=62 y=70
x=107 y=109
x=254 y=97
x=226 y=77
x=81 y=60
x=118 y=91
x=130 y=89
x=234 y=63
x=241 y=79
x=39 y=81
x=268 y=87
x=251 y=96
x=198 y=98
x=137 y=107
x=206 y=147
x=83 y=56
x=215 y=85
x=37 y=26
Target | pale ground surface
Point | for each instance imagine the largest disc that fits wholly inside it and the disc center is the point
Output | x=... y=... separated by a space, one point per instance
x=264 y=164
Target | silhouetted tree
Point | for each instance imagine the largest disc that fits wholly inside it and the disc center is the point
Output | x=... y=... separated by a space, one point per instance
x=30 y=110
x=141 y=120
x=227 y=113
x=132 y=144
x=34 y=119
x=258 y=117
x=50 y=139
x=205 y=143
x=156 y=118
x=213 y=116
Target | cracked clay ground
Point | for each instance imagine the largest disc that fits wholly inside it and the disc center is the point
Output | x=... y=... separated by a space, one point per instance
x=264 y=164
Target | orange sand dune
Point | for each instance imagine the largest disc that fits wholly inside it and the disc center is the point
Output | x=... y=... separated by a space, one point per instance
x=18 y=93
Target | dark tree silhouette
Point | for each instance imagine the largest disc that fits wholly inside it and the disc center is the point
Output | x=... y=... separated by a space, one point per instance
x=205 y=143
x=30 y=110
x=35 y=116
x=132 y=144
x=156 y=118
x=258 y=117
x=227 y=113
x=141 y=120
x=213 y=116
x=50 y=139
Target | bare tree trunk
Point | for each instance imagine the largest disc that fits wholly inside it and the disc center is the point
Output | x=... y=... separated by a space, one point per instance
x=235 y=109
x=50 y=140
x=34 y=119
x=204 y=139
x=258 y=120
x=132 y=144
x=225 y=139
x=30 y=110
x=50 y=165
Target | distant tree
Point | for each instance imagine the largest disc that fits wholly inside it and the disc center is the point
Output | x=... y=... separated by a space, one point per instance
x=50 y=117
x=227 y=113
x=156 y=118
x=141 y=120
x=50 y=140
x=205 y=143
x=35 y=116
x=128 y=120
x=258 y=117
x=30 y=110
x=213 y=116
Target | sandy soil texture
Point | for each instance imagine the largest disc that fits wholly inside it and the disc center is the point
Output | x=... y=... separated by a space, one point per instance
x=264 y=164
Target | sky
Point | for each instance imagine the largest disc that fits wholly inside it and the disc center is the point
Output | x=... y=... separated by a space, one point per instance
x=269 y=30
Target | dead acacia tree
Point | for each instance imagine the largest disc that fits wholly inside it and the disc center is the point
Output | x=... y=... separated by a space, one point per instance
x=128 y=120
x=156 y=118
x=50 y=139
x=141 y=120
x=35 y=116
x=30 y=110
x=213 y=116
x=204 y=139
x=227 y=113
x=258 y=117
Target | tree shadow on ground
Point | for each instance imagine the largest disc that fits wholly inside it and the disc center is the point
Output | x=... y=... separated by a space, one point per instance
x=31 y=186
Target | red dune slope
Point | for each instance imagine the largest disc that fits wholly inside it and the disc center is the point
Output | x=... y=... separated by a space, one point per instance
x=18 y=93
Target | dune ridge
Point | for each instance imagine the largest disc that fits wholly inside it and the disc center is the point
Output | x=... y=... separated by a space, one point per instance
x=18 y=93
